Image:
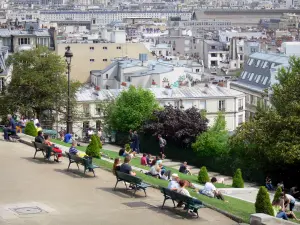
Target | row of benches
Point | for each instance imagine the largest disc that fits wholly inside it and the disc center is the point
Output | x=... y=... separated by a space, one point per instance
x=134 y=182
x=48 y=152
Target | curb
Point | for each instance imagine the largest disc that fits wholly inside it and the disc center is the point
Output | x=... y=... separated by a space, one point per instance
x=231 y=216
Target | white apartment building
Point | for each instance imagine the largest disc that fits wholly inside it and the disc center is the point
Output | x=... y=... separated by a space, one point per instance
x=212 y=99
x=122 y=73
x=103 y=17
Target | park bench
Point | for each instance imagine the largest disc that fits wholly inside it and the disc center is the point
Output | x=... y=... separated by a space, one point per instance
x=186 y=200
x=85 y=162
x=135 y=182
x=45 y=149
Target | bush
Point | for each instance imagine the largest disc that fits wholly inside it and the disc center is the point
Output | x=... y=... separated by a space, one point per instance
x=93 y=149
x=237 y=180
x=98 y=142
x=263 y=203
x=277 y=194
x=127 y=148
x=203 y=175
x=30 y=129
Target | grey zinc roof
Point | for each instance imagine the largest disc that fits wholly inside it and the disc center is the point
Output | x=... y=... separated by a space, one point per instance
x=87 y=94
x=258 y=76
x=8 y=33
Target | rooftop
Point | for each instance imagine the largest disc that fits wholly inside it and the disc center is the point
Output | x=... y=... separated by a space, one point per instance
x=87 y=94
x=8 y=32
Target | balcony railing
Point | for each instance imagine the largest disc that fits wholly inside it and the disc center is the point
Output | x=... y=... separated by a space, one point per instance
x=222 y=109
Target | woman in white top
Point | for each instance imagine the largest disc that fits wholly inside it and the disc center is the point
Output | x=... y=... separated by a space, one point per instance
x=211 y=191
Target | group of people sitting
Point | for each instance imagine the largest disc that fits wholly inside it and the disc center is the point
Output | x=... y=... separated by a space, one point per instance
x=45 y=139
x=280 y=207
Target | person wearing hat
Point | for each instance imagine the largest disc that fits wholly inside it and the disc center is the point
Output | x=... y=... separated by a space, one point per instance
x=174 y=183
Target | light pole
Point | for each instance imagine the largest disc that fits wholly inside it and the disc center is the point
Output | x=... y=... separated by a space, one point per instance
x=68 y=56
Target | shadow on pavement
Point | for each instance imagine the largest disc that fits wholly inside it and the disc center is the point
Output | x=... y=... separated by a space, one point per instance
x=39 y=160
x=123 y=193
x=75 y=173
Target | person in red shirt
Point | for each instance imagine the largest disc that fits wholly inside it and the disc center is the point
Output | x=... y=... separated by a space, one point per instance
x=55 y=149
x=144 y=160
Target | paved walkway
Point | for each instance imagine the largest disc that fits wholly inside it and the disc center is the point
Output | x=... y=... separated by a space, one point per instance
x=37 y=192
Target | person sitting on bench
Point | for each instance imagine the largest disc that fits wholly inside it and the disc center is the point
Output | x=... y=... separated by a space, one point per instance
x=54 y=148
x=40 y=137
x=74 y=151
x=11 y=129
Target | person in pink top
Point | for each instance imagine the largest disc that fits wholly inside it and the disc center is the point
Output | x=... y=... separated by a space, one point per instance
x=144 y=160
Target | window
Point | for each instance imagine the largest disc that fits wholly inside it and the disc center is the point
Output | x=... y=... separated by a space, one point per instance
x=104 y=60
x=244 y=75
x=107 y=87
x=24 y=41
x=92 y=60
x=221 y=105
x=241 y=57
x=98 y=109
x=251 y=76
x=197 y=70
x=118 y=47
x=253 y=50
x=257 y=63
x=258 y=78
x=105 y=48
x=265 y=80
x=107 y=76
x=174 y=49
x=213 y=47
x=91 y=48
x=86 y=109
x=202 y=105
x=241 y=48
x=250 y=62
x=213 y=54
x=240 y=104
x=240 y=119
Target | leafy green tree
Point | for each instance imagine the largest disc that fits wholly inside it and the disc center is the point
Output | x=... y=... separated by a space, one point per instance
x=131 y=108
x=93 y=149
x=237 y=180
x=203 y=175
x=263 y=203
x=39 y=82
x=273 y=136
x=213 y=142
x=30 y=129
x=277 y=194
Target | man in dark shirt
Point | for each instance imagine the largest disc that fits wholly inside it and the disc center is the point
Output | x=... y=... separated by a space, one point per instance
x=184 y=169
x=126 y=168
x=10 y=129
x=40 y=137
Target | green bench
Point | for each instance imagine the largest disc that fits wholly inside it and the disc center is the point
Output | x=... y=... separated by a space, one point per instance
x=85 y=162
x=186 y=200
x=46 y=150
x=135 y=182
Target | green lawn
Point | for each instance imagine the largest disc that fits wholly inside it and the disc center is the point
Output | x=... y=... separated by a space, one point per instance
x=136 y=162
x=236 y=207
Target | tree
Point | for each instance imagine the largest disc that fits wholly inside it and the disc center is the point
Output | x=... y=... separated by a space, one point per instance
x=237 y=180
x=30 y=129
x=93 y=149
x=213 y=142
x=277 y=194
x=181 y=125
x=273 y=136
x=263 y=203
x=38 y=82
x=130 y=109
x=203 y=175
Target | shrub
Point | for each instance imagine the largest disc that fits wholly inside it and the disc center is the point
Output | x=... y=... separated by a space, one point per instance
x=263 y=203
x=30 y=129
x=98 y=142
x=203 y=175
x=127 y=148
x=277 y=194
x=237 y=180
x=93 y=149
